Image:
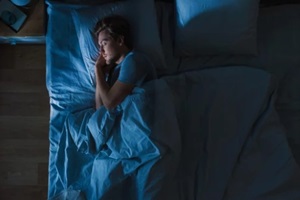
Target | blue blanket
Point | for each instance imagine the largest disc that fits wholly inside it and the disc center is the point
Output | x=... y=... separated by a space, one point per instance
x=209 y=134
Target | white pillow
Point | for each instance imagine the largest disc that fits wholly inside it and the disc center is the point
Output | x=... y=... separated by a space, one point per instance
x=140 y=14
x=214 y=27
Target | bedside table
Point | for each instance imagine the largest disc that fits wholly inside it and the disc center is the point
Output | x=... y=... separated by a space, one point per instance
x=32 y=31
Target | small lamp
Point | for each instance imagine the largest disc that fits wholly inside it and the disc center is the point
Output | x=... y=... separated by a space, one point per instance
x=11 y=15
x=21 y=2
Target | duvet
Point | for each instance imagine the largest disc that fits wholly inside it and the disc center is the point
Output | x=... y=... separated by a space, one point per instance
x=203 y=134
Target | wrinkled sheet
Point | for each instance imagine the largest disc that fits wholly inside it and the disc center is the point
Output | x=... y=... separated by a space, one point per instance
x=208 y=134
x=278 y=38
x=203 y=134
x=120 y=154
x=233 y=144
x=211 y=133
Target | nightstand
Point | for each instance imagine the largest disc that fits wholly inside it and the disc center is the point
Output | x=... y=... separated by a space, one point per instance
x=32 y=31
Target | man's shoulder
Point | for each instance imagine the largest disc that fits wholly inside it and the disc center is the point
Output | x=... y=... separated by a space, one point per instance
x=137 y=56
x=140 y=59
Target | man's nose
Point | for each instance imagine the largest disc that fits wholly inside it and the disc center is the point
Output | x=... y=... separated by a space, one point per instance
x=101 y=49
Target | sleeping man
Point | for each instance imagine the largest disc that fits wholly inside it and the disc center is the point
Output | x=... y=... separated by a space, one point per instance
x=118 y=68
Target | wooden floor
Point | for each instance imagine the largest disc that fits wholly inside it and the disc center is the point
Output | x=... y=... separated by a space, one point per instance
x=24 y=118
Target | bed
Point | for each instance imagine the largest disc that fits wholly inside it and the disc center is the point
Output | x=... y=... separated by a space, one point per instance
x=220 y=122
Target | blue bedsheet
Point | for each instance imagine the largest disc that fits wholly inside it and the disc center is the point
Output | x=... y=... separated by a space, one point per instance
x=204 y=134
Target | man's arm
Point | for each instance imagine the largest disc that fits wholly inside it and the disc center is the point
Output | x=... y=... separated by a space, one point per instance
x=109 y=97
x=98 y=100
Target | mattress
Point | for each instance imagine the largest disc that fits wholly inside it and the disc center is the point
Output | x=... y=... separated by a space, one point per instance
x=211 y=133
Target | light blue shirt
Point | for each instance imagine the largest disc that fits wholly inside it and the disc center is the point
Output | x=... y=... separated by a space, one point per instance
x=136 y=69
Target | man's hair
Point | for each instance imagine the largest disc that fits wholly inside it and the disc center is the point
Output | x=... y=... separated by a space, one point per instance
x=116 y=26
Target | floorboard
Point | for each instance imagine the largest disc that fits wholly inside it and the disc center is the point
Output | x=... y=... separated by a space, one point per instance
x=24 y=123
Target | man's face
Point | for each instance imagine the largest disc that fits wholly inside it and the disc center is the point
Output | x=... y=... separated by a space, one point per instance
x=109 y=47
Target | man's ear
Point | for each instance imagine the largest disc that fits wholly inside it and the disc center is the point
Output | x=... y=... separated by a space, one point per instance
x=121 y=40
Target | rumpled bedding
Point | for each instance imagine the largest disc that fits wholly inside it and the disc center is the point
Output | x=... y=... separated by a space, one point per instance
x=211 y=133
x=101 y=150
x=203 y=134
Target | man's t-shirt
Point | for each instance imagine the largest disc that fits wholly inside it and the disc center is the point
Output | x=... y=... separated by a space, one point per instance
x=136 y=69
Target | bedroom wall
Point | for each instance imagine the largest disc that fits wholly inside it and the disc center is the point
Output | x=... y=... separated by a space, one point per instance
x=24 y=117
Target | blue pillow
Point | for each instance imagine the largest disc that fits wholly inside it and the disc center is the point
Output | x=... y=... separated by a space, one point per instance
x=214 y=27
x=139 y=13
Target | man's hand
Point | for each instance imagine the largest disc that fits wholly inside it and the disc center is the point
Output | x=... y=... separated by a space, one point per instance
x=101 y=66
x=109 y=96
